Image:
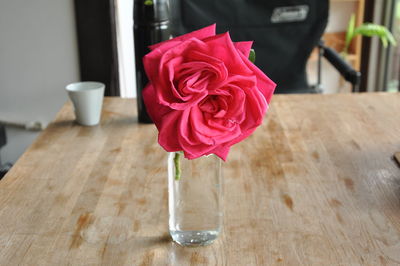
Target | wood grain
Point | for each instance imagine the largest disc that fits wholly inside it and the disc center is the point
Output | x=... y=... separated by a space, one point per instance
x=315 y=185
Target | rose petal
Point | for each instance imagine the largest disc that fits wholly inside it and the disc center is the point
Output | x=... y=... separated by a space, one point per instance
x=168 y=131
x=244 y=47
x=156 y=111
x=264 y=83
x=210 y=135
x=222 y=47
x=221 y=151
x=161 y=77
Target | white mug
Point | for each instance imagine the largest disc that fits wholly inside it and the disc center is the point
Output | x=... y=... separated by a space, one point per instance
x=87 y=98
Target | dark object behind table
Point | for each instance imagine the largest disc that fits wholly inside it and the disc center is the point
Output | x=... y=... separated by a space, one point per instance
x=3 y=141
x=97 y=42
x=284 y=31
x=151 y=25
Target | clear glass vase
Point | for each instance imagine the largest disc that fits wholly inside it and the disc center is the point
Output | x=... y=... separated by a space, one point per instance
x=195 y=199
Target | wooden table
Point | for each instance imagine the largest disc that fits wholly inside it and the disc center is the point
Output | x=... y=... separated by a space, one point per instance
x=315 y=185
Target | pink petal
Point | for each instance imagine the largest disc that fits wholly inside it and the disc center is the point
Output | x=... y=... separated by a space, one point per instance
x=244 y=47
x=221 y=151
x=264 y=83
x=222 y=47
x=155 y=110
x=168 y=131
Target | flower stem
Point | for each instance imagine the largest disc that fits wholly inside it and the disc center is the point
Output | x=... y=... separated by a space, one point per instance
x=177 y=163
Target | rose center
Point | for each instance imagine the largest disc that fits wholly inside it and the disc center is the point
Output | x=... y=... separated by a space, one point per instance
x=215 y=105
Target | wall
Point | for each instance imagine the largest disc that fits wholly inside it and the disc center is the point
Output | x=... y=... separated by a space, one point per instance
x=38 y=51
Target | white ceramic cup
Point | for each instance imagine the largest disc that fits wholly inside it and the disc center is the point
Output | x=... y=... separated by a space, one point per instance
x=87 y=98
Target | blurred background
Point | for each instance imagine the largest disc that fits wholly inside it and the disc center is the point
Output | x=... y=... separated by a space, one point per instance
x=39 y=56
x=46 y=45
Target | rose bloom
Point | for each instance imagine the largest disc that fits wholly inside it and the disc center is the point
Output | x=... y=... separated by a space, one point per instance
x=204 y=95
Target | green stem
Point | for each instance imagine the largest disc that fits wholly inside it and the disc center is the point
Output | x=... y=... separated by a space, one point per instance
x=177 y=163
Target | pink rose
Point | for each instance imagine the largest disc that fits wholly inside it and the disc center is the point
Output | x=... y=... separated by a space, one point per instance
x=204 y=95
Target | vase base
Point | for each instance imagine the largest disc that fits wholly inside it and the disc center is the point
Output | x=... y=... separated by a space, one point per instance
x=194 y=238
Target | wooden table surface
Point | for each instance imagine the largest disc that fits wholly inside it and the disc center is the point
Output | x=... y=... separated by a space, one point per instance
x=315 y=185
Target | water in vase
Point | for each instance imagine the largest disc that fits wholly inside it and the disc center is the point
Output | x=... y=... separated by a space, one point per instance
x=195 y=199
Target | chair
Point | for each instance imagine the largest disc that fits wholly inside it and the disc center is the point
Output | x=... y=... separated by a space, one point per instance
x=284 y=32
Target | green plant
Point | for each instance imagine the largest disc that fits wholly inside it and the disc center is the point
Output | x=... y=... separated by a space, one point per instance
x=369 y=30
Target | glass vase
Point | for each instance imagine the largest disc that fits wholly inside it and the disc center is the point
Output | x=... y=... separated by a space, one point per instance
x=195 y=199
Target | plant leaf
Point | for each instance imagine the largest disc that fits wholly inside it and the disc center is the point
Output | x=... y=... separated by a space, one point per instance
x=398 y=10
x=252 y=56
x=390 y=38
x=371 y=29
x=350 y=30
x=384 y=42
